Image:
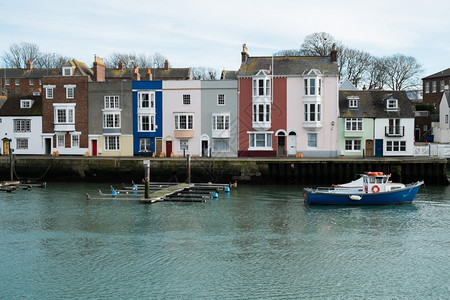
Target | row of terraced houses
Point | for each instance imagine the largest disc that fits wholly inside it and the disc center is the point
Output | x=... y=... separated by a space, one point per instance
x=271 y=106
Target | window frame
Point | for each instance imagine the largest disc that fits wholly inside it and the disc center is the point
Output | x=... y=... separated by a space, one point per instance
x=263 y=138
x=112 y=143
x=312 y=142
x=188 y=122
x=21 y=125
x=220 y=100
x=186 y=100
x=111 y=102
x=22 y=143
x=116 y=120
x=354 y=124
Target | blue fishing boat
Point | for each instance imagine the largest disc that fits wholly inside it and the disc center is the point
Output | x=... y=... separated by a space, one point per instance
x=372 y=188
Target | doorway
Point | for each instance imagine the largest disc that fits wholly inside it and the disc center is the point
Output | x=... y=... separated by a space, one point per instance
x=281 y=150
x=48 y=146
x=369 y=148
x=205 y=148
x=292 y=143
x=94 y=147
x=168 y=148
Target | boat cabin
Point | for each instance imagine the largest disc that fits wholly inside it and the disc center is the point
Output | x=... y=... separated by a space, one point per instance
x=375 y=182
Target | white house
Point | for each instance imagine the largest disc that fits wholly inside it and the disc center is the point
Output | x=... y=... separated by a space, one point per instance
x=21 y=123
x=441 y=129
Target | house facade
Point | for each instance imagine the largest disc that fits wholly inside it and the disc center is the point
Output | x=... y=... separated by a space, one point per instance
x=441 y=129
x=21 y=124
x=288 y=106
x=375 y=123
x=182 y=111
x=65 y=110
x=147 y=117
x=110 y=109
x=219 y=118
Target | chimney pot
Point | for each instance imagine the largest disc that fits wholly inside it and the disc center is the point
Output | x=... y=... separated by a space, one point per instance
x=29 y=65
x=166 y=65
x=244 y=53
x=333 y=53
x=120 y=65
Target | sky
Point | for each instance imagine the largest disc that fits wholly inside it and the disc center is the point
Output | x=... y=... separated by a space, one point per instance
x=211 y=33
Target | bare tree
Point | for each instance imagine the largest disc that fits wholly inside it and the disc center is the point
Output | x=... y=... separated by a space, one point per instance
x=291 y=52
x=203 y=73
x=354 y=64
x=402 y=72
x=18 y=55
x=376 y=73
x=50 y=60
x=318 y=44
x=158 y=60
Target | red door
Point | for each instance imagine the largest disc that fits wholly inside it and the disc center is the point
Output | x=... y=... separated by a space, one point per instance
x=168 y=148
x=94 y=147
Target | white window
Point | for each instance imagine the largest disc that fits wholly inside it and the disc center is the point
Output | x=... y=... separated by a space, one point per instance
x=434 y=86
x=221 y=122
x=261 y=113
x=64 y=115
x=111 y=120
x=22 y=143
x=22 y=125
x=392 y=104
x=260 y=140
x=146 y=99
x=70 y=90
x=31 y=81
x=25 y=103
x=313 y=86
x=353 y=102
x=144 y=145
x=221 y=145
x=112 y=143
x=184 y=145
x=186 y=99
x=446 y=118
x=67 y=71
x=146 y=122
x=352 y=145
x=17 y=81
x=49 y=93
x=394 y=127
x=60 y=141
x=7 y=81
x=427 y=87
x=442 y=87
x=261 y=87
x=313 y=112
x=396 y=146
x=312 y=140
x=353 y=124
x=75 y=140
x=220 y=99
x=184 y=121
x=112 y=102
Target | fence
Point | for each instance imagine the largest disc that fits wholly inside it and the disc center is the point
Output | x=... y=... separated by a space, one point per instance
x=434 y=150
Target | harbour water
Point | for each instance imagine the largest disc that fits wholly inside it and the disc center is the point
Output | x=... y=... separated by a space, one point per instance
x=258 y=242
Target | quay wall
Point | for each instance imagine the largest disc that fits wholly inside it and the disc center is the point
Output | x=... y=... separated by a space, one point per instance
x=298 y=171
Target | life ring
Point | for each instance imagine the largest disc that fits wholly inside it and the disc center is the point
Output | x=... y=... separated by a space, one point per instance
x=375 y=189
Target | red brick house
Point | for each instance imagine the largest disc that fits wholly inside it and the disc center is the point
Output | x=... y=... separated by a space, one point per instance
x=65 y=110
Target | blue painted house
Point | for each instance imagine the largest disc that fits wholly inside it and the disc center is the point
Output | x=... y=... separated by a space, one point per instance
x=147 y=117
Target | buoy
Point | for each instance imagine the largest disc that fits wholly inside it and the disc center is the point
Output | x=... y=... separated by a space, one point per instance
x=114 y=192
x=227 y=189
x=215 y=195
x=135 y=187
x=355 y=197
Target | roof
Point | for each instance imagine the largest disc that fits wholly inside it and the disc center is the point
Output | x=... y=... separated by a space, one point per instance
x=288 y=65
x=372 y=104
x=347 y=85
x=227 y=74
x=443 y=73
x=24 y=73
x=11 y=107
x=446 y=94
x=157 y=73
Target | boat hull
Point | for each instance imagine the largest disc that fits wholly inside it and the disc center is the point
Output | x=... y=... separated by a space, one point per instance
x=401 y=196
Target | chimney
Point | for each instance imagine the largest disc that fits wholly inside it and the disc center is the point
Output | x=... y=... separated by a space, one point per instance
x=29 y=65
x=149 y=75
x=99 y=69
x=244 y=53
x=120 y=65
x=136 y=75
x=333 y=53
x=166 y=65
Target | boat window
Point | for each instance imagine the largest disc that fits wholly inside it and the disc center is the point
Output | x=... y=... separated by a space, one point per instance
x=379 y=180
x=372 y=179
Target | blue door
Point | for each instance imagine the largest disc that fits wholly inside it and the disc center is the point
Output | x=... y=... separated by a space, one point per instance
x=378 y=148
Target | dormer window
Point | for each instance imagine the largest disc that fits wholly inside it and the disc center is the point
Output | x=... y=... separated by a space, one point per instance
x=67 y=71
x=353 y=102
x=261 y=84
x=25 y=103
x=313 y=84
x=392 y=104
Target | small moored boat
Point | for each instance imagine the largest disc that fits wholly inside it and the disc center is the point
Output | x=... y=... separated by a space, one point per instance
x=372 y=188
